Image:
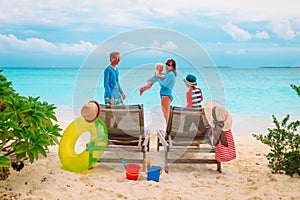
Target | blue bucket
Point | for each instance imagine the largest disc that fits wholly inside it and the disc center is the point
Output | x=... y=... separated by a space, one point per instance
x=154 y=173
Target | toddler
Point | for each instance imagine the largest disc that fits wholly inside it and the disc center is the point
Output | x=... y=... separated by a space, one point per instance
x=159 y=67
x=159 y=70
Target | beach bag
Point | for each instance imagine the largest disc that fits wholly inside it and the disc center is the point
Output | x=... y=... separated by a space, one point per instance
x=214 y=137
x=225 y=153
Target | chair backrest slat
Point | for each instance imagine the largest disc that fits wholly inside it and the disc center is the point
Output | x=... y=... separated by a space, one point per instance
x=123 y=120
x=187 y=123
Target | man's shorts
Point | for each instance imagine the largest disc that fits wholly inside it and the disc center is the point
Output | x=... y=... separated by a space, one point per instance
x=117 y=101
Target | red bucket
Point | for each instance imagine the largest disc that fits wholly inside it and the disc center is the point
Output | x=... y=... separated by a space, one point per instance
x=133 y=171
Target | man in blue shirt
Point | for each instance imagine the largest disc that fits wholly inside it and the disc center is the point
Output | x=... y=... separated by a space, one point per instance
x=113 y=92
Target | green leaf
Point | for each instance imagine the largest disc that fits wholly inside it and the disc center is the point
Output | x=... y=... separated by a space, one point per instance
x=42 y=142
x=20 y=156
x=20 y=148
x=12 y=125
x=41 y=150
x=35 y=152
x=31 y=156
x=4 y=161
x=41 y=115
x=297 y=89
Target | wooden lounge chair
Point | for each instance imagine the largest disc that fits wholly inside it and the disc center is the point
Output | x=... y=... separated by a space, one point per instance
x=186 y=133
x=126 y=133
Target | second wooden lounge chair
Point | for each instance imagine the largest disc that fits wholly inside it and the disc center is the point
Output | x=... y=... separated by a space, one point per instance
x=126 y=133
x=186 y=133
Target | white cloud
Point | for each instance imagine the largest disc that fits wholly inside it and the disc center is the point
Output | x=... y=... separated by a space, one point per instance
x=245 y=48
x=106 y=16
x=169 y=45
x=126 y=45
x=61 y=13
x=283 y=29
x=79 y=48
x=132 y=13
x=236 y=52
x=11 y=42
x=247 y=10
x=155 y=44
x=236 y=33
x=262 y=35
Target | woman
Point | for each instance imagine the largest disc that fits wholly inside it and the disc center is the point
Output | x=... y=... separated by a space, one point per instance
x=167 y=85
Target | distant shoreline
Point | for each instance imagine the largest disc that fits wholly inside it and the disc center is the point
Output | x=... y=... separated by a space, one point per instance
x=146 y=68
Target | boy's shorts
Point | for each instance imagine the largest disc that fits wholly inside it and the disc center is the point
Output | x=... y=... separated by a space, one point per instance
x=117 y=101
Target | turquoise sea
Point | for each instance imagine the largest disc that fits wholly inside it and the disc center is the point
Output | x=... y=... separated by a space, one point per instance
x=250 y=91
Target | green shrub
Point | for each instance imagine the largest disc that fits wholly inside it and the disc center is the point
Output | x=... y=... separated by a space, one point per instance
x=297 y=89
x=284 y=155
x=27 y=126
x=284 y=140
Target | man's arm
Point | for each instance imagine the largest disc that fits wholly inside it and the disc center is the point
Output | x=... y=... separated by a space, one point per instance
x=108 y=92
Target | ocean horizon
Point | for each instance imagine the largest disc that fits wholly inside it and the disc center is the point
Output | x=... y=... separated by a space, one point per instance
x=130 y=67
x=262 y=91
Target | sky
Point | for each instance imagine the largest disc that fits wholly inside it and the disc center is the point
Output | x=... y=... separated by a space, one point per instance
x=63 y=33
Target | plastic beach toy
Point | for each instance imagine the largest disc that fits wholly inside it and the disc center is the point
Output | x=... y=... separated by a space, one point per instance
x=153 y=172
x=132 y=170
x=125 y=164
x=74 y=162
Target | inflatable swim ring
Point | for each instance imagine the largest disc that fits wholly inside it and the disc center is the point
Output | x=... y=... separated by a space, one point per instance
x=80 y=162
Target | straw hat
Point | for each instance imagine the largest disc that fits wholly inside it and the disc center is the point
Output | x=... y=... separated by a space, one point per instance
x=221 y=114
x=190 y=79
x=91 y=111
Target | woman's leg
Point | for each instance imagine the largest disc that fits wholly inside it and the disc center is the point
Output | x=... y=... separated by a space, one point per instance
x=165 y=105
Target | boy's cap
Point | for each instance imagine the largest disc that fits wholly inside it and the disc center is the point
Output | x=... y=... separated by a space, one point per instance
x=190 y=79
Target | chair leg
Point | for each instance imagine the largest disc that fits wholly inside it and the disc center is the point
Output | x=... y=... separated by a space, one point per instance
x=148 y=146
x=219 y=167
x=144 y=156
x=167 y=169
x=166 y=161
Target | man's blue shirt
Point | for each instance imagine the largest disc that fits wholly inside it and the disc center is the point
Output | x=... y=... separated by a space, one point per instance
x=111 y=83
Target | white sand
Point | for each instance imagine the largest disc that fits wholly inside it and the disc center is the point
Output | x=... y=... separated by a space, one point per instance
x=246 y=177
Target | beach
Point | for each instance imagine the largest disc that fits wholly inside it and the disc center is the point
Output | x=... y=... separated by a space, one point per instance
x=246 y=177
x=60 y=55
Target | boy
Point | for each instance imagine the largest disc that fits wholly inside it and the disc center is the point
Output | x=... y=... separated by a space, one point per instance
x=193 y=98
x=194 y=95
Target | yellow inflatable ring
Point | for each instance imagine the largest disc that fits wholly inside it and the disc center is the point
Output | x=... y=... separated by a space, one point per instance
x=80 y=162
